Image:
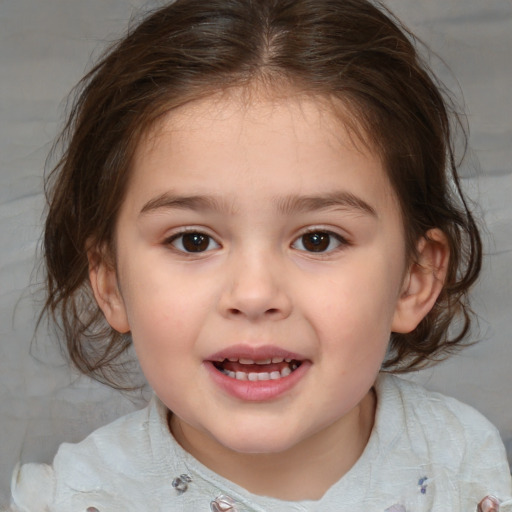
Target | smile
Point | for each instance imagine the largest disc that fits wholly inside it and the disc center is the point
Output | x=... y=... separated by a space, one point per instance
x=256 y=374
x=244 y=369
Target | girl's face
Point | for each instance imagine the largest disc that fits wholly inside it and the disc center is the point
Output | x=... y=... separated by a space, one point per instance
x=260 y=269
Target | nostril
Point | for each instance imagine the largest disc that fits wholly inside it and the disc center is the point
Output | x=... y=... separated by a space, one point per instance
x=238 y=312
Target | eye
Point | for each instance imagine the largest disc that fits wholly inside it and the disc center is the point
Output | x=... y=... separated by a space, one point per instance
x=318 y=241
x=193 y=242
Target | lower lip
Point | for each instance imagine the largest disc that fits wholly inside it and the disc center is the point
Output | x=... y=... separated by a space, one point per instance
x=257 y=391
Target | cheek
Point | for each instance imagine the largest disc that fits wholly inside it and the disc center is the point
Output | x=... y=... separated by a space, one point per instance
x=166 y=310
x=355 y=310
x=155 y=291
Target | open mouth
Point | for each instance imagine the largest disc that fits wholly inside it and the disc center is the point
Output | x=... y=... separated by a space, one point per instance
x=259 y=370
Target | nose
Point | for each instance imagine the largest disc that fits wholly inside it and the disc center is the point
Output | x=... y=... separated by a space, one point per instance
x=255 y=288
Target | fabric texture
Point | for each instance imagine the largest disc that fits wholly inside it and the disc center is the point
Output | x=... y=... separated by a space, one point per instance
x=426 y=453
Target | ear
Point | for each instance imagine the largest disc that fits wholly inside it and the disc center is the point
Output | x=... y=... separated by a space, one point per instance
x=104 y=283
x=423 y=282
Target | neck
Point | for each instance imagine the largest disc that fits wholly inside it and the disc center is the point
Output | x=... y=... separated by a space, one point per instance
x=304 y=472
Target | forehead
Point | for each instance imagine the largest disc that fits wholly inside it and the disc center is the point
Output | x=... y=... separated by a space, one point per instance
x=293 y=142
x=255 y=104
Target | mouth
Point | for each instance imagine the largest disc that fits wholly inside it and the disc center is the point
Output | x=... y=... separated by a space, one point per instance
x=257 y=374
x=245 y=369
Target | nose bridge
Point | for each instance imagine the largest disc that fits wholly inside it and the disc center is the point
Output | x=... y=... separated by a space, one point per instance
x=256 y=284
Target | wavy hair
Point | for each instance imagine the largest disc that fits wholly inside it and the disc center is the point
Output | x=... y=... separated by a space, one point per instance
x=352 y=50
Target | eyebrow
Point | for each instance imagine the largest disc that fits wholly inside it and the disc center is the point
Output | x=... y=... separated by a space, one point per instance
x=340 y=200
x=285 y=205
x=168 y=201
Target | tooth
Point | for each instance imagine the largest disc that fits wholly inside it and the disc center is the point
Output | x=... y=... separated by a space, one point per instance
x=275 y=375
x=241 y=376
x=253 y=376
x=264 y=361
x=231 y=374
x=294 y=366
x=264 y=376
x=285 y=372
x=277 y=359
x=233 y=359
x=241 y=360
x=288 y=360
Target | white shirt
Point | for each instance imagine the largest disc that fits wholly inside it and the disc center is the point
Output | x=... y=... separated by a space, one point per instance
x=426 y=453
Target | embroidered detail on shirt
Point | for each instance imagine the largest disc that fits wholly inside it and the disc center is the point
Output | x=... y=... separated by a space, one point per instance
x=180 y=483
x=422 y=482
x=396 y=508
x=223 y=503
x=489 y=504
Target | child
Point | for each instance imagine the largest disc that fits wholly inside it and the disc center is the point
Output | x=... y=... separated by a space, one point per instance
x=262 y=197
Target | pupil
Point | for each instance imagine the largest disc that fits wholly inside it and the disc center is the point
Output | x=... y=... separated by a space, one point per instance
x=316 y=242
x=195 y=242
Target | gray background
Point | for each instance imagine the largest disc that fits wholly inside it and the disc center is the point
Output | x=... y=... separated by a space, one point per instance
x=45 y=46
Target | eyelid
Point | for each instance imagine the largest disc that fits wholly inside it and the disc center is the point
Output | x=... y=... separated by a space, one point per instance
x=183 y=230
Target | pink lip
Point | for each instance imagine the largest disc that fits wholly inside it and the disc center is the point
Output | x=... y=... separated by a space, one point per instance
x=254 y=353
x=256 y=391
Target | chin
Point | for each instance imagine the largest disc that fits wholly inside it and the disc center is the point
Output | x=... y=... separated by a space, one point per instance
x=259 y=442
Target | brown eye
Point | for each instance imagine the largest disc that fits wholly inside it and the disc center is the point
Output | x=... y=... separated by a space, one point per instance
x=318 y=241
x=193 y=242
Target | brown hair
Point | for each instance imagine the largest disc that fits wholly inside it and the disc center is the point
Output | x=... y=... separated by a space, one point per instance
x=347 y=49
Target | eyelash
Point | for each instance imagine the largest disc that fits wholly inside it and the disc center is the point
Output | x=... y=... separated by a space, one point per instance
x=204 y=242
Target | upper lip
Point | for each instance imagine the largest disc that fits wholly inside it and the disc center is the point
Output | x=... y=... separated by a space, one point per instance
x=250 y=352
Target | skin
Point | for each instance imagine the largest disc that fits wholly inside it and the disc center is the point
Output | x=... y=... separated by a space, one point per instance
x=257 y=283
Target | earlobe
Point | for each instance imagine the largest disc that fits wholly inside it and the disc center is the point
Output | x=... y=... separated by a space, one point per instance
x=104 y=283
x=423 y=282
